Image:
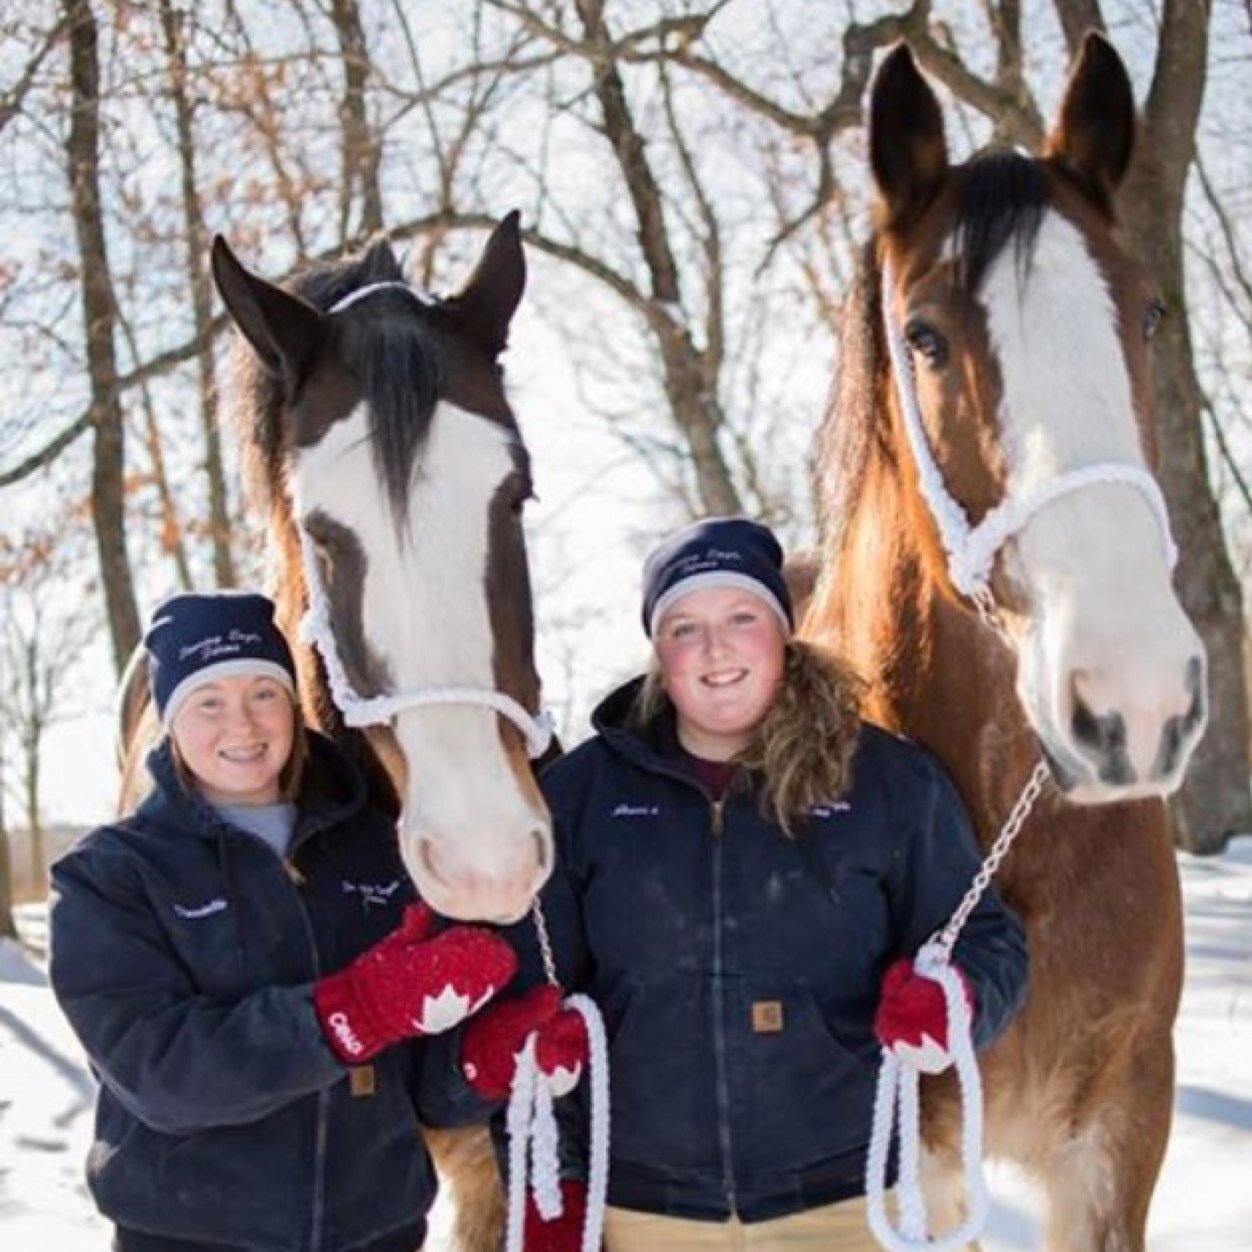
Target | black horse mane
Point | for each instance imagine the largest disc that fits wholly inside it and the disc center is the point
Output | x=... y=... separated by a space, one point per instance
x=393 y=357
x=1000 y=201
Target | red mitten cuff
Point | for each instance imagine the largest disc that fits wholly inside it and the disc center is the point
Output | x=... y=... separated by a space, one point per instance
x=564 y=1233
x=912 y=1016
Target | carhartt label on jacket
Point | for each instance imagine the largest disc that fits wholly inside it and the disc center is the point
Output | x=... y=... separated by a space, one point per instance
x=197 y=911
x=361 y=1081
x=767 y=1017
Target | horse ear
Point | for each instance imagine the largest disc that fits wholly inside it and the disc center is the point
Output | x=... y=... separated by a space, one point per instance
x=1094 y=134
x=285 y=330
x=379 y=264
x=907 y=150
x=486 y=303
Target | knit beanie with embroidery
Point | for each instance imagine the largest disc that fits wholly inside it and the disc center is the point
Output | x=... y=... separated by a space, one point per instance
x=716 y=552
x=200 y=636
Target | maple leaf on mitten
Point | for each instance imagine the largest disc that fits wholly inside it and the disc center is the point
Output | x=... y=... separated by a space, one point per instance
x=410 y=985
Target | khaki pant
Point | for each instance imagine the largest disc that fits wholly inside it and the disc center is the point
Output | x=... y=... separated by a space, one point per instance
x=832 y=1228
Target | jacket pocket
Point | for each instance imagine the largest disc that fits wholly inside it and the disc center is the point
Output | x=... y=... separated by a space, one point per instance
x=801 y=1093
x=661 y=1078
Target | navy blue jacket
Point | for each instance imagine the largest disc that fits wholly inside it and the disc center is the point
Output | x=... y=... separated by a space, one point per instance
x=738 y=970
x=184 y=953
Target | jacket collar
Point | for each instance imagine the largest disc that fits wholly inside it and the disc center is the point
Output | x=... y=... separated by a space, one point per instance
x=653 y=746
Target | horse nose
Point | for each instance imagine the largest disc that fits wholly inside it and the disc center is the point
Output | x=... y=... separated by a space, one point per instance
x=458 y=887
x=1125 y=741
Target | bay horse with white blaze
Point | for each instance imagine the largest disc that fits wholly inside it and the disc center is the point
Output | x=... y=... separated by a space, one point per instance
x=996 y=559
x=391 y=466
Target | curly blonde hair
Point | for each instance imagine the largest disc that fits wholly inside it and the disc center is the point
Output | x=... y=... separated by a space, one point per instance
x=803 y=748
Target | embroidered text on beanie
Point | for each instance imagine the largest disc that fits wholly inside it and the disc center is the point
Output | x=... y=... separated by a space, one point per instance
x=716 y=552
x=196 y=637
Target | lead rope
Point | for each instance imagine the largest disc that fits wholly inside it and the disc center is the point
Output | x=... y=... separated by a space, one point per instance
x=898 y=1080
x=533 y=1131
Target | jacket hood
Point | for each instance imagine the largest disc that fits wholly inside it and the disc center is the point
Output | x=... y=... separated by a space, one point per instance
x=333 y=790
x=654 y=746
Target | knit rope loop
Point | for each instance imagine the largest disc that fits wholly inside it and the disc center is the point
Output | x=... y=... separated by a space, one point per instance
x=898 y=1090
x=898 y=1080
x=971 y=550
x=358 y=710
x=534 y=1155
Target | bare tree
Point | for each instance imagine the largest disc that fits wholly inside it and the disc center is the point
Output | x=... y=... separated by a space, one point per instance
x=46 y=625
x=100 y=318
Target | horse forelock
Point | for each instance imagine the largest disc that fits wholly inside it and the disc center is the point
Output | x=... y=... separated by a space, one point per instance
x=1001 y=198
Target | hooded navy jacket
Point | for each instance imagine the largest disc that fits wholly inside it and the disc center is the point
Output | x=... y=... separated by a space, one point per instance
x=738 y=970
x=184 y=953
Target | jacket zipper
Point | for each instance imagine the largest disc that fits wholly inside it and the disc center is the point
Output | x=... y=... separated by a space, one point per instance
x=721 y=1063
x=297 y=879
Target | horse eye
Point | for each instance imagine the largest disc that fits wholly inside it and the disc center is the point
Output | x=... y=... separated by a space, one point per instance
x=1153 y=317
x=926 y=341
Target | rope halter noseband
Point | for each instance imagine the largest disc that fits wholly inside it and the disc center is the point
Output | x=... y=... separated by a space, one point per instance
x=971 y=550
x=316 y=628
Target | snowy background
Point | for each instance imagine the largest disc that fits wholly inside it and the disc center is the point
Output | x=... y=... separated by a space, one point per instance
x=1203 y=1202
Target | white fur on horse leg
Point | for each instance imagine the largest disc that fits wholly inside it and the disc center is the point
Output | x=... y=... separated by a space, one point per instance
x=944 y=1190
x=1082 y=1202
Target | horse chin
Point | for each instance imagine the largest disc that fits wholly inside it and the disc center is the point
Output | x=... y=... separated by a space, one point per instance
x=1080 y=785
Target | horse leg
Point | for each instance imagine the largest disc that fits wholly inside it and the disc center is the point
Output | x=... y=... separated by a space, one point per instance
x=466 y=1162
x=943 y=1187
x=1099 y=1182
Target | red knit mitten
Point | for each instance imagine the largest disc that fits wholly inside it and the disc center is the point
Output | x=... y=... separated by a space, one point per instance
x=912 y=1017
x=493 y=1040
x=411 y=985
x=564 y=1233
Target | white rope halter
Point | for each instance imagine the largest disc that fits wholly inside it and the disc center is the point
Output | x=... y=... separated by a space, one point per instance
x=370 y=288
x=971 y=550
x=358 y=710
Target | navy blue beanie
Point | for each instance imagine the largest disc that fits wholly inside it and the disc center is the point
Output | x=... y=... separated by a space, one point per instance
x=716 y=552
x=196 y=637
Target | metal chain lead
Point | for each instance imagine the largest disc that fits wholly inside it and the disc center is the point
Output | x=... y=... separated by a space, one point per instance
x=1021 y=810
x=545 y=943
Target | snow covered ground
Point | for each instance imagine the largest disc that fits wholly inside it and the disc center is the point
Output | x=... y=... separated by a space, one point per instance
x=1203 y=1203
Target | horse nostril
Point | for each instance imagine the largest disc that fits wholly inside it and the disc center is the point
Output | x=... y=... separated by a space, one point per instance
x=1198 y=711
x=1103 y=736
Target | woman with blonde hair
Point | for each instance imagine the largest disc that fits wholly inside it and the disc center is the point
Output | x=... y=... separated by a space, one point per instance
x=746 y=869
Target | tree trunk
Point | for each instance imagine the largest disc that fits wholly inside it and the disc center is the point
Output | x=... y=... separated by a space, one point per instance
x=99 y=316
x=173 y=25
x=1214 y=801
x=8 y=930
x=361 y=151
x=690 y=380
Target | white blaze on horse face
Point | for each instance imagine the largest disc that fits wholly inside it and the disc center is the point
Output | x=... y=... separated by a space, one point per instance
x=474 y=842
x=1109 y=668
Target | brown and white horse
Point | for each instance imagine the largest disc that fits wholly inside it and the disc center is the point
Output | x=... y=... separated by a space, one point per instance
x=380 y=440
x=1022 y=332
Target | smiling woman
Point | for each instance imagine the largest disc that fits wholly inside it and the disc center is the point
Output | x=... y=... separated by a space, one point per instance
x=744 y=872
x=245 y=966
